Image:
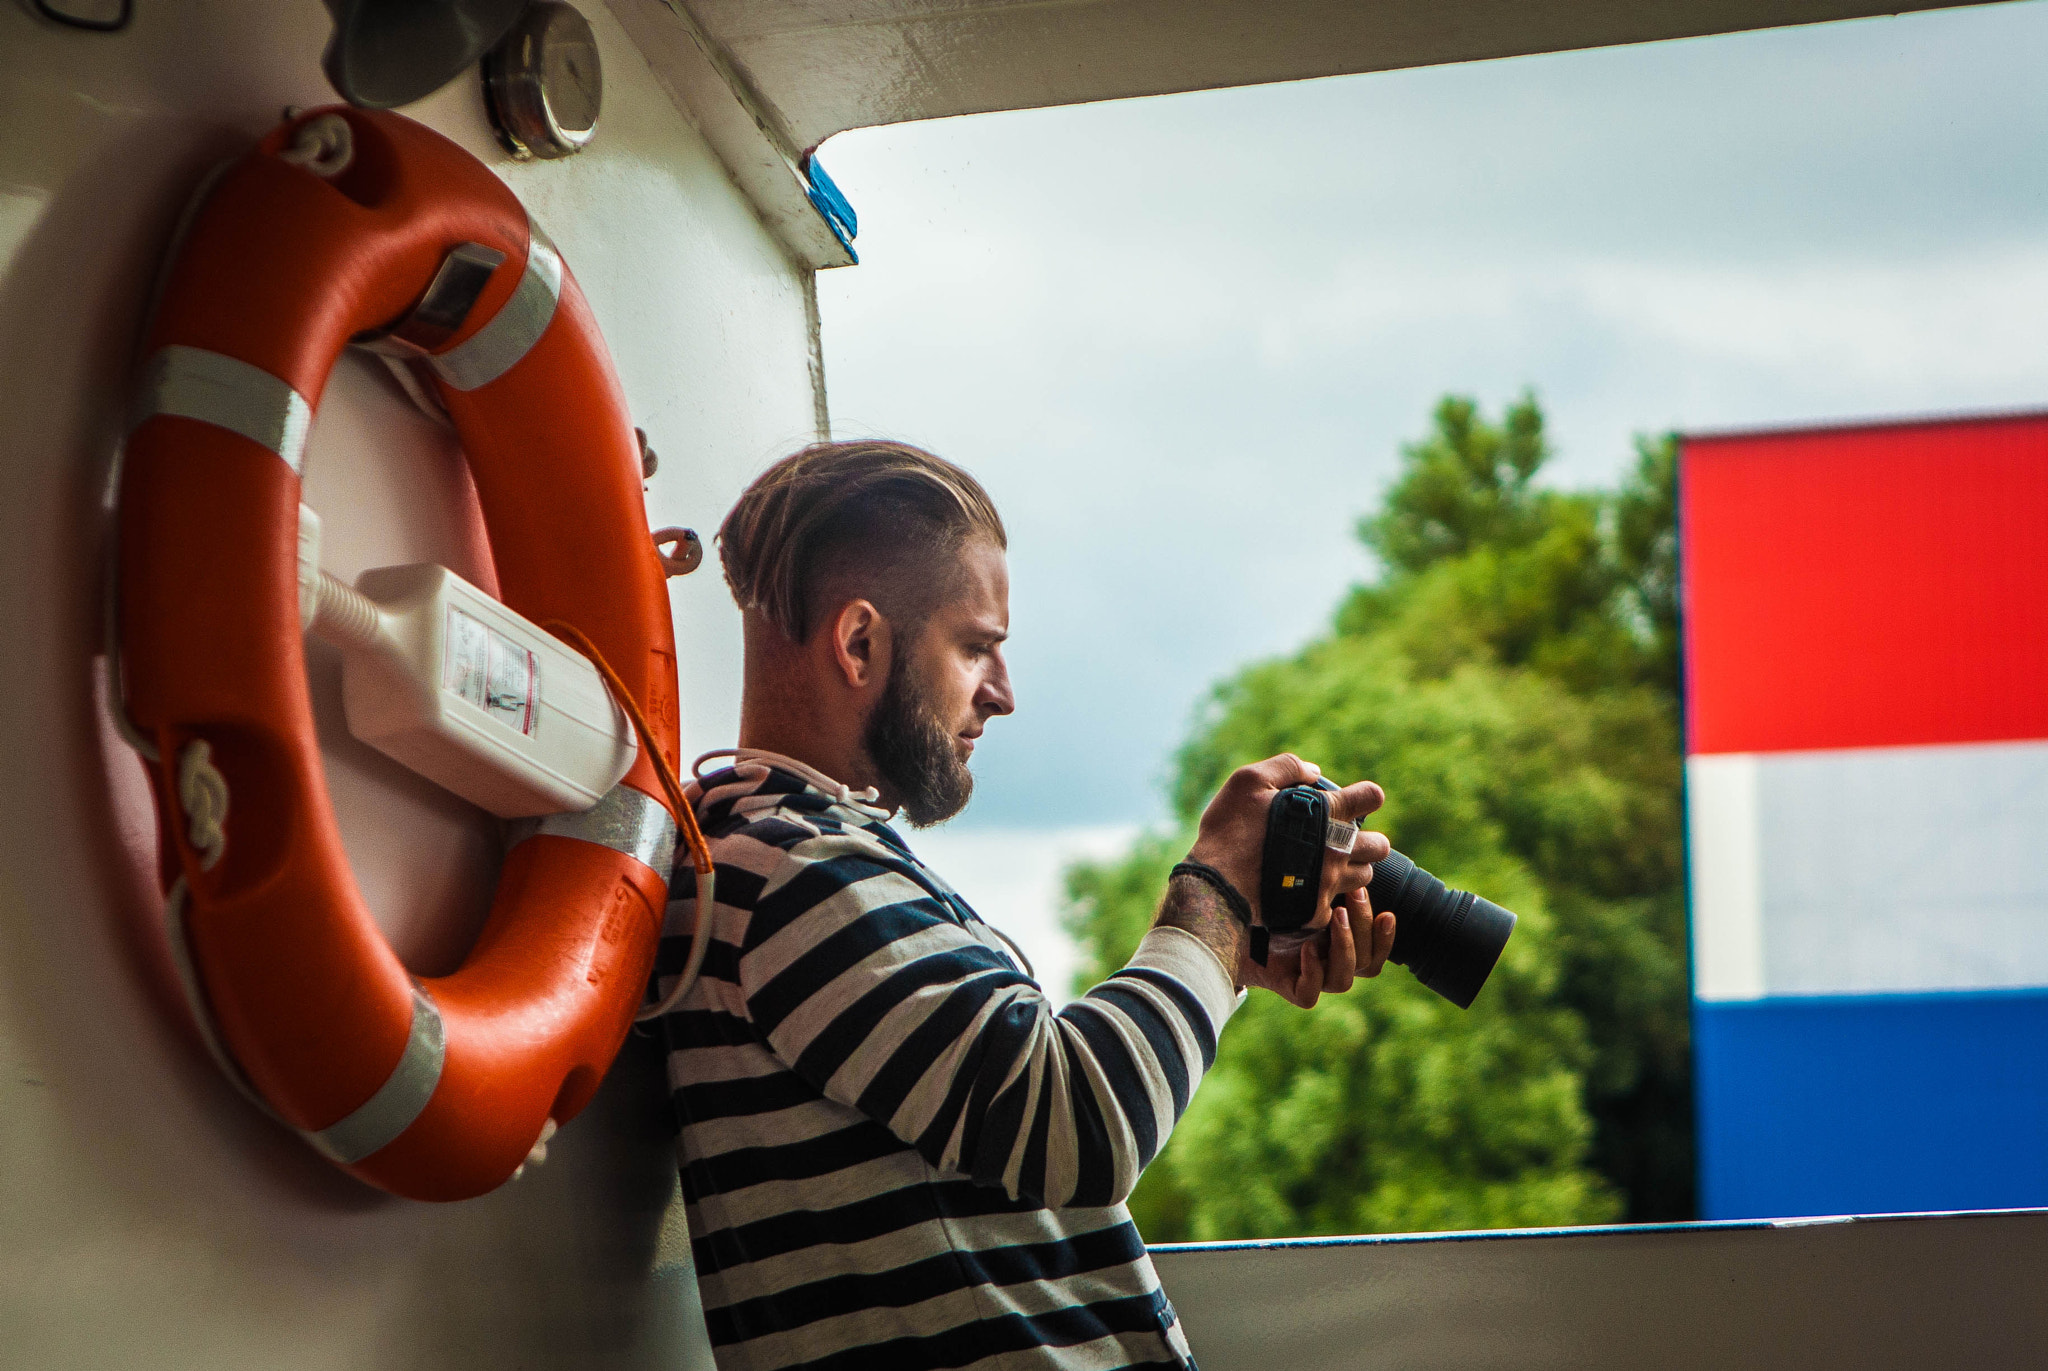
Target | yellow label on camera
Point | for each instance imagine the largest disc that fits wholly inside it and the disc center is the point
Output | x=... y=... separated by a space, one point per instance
x=1289 y=882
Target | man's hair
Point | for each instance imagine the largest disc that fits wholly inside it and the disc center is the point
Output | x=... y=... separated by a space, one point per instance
x=871 y=518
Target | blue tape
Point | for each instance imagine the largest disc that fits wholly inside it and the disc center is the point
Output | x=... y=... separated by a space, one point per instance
x=831 y=202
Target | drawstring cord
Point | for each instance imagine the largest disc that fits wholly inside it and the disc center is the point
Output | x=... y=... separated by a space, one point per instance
x=860 y=801
x=1011 y=943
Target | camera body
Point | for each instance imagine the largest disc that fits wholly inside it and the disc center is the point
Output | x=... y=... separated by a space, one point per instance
x=1291 y=866
x=1449 y=938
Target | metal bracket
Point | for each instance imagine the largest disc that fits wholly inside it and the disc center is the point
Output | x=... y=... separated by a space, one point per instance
x=442 y=310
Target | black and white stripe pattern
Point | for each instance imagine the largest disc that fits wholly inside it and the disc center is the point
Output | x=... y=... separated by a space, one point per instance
x=894 y=1153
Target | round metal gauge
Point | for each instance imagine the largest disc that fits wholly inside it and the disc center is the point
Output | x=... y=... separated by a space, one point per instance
x=543 y=84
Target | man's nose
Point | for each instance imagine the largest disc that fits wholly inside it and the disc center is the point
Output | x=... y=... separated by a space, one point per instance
x=997 y=695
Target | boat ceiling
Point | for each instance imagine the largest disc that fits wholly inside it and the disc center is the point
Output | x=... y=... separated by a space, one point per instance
x=822 y=66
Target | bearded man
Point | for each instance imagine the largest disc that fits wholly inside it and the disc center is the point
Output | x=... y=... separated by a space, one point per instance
x=894 y=1153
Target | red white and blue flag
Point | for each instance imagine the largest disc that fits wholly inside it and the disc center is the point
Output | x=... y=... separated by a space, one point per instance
x=1866 y=634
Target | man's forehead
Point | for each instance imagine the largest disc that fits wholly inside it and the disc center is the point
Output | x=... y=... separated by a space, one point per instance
x=981 y=589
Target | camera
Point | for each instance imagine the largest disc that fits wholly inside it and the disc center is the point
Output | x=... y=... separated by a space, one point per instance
x=1449 y=938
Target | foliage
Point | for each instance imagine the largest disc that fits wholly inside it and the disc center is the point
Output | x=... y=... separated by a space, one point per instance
x=1511 y=680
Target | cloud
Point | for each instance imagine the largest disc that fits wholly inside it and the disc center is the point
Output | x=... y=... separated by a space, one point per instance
x=1182 y=339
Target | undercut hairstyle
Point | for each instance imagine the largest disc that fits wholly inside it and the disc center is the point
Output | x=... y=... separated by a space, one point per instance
x=868 y=519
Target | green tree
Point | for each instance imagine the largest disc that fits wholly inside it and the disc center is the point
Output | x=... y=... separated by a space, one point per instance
x=1511 y=679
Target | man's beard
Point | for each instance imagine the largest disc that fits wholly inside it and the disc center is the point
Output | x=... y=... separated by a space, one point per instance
x=913 y=749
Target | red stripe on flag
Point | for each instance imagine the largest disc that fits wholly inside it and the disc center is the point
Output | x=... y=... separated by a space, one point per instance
x=1867 y=587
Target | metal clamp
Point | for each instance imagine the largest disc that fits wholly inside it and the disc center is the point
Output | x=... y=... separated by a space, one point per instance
x=443 y=310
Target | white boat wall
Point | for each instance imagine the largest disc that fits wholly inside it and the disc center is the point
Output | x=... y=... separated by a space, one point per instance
x=150 y=1217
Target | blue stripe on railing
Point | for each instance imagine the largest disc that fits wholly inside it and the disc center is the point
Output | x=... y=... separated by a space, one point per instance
x=1588 y=1231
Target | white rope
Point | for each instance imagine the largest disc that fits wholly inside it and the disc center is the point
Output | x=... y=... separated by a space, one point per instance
x=423 y=397
x=323 y=146
x=203 y=792
x=538 y=1153
x=117 y=690
x=195 y=997
x=1011 y=943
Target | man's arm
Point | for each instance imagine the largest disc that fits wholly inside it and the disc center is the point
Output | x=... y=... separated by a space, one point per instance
x=863 y=982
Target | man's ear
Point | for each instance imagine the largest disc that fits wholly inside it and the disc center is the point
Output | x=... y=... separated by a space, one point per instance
x=861 y=642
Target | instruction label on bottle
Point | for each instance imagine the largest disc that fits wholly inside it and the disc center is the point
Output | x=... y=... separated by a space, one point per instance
x=492 y=672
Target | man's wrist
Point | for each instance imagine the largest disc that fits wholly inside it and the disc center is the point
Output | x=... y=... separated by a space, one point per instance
x=1233 y=898
x=1197 y=908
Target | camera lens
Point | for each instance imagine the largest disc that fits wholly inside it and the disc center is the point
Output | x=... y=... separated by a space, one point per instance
x=1449 y=938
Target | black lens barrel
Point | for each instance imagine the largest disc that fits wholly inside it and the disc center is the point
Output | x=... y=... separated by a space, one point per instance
x=1449 y=938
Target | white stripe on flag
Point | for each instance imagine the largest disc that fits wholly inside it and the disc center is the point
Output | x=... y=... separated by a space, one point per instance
x=1869 y=871
x=1727 y=880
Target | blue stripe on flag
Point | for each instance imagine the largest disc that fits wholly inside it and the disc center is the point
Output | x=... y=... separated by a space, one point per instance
x=1868 y=1104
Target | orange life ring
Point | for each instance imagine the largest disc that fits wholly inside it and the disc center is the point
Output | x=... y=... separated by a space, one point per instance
x=339 y=223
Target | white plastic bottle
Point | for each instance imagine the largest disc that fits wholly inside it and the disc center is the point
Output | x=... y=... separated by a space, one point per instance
x=443 y=678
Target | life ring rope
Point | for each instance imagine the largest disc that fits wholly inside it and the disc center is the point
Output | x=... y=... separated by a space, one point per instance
x=324 y=145
x=378 y=1120
x=203 y=792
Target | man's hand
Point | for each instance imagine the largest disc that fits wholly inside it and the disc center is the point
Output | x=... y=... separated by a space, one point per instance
x=1329 y=961
x=1232 y=839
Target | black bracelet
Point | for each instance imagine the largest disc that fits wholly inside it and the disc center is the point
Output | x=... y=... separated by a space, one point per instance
x=1209 y=875
x=1233 y=897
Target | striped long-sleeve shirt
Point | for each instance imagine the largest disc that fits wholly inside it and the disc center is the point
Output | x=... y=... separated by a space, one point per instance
x=894 y=1153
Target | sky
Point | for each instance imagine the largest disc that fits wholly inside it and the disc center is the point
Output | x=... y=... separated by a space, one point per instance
x=1181 y=339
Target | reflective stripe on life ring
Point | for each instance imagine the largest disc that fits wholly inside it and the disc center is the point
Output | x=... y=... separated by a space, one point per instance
x=377 y=1121
x=214 y=388
x=627 y=821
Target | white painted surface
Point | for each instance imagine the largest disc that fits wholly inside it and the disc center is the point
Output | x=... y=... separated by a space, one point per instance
x=150 y=1217
x=1727 y=891
x=1868 y=871
x=748 y=138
